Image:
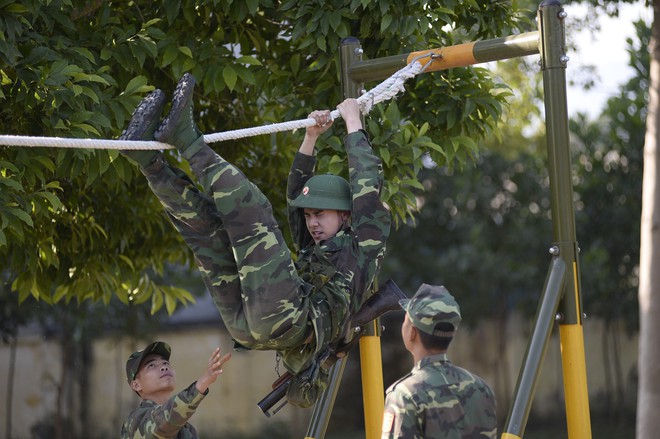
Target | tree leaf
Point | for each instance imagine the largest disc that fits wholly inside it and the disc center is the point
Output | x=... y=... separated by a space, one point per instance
x=229 y=76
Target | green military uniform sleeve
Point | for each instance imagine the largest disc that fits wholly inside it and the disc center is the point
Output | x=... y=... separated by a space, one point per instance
x=401 y=416
x=302 y=169
x=164 y=421
x=370 y=220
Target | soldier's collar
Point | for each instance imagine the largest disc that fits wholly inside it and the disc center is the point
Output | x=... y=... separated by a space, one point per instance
x=441 y=358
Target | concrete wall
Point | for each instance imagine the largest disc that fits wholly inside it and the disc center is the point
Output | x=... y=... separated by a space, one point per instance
x=478 y=351
x=231 y=404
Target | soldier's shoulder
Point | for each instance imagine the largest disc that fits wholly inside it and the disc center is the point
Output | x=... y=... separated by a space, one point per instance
x=410 y=384
x=398 y=383
x=467 y=376
x=132 y=422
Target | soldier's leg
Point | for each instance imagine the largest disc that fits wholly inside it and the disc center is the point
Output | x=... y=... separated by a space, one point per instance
x=194 y=216
x=273 y=293
x=269 y=280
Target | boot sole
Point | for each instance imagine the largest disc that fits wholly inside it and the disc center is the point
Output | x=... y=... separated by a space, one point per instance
x=145 y=116
x=182 y=93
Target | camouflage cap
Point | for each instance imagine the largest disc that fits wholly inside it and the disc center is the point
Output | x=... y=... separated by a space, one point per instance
x=431 y=305
x=135 y=360
x=326 y=191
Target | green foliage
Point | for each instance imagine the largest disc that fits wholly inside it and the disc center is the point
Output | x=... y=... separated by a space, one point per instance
x=82 y=224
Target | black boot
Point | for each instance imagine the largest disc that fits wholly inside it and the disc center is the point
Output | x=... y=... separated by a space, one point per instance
x=384 y=300
x=143 y=123
x=178 y=128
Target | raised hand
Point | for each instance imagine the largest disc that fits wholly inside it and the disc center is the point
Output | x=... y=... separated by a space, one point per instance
x=213 y=370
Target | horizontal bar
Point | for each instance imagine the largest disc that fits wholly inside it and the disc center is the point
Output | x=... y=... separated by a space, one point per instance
x=444 y=58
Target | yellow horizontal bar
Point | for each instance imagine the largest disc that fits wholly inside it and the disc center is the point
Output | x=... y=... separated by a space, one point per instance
x=460 y=55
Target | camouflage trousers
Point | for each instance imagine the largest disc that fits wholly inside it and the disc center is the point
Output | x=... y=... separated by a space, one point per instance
x=239 y=248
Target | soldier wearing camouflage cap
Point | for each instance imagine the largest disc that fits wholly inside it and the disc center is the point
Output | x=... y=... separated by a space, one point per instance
x=437 y=399
x=161 y=415
x=339 y=228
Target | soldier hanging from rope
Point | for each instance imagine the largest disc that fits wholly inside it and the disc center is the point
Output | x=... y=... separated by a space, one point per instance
x=302 y=311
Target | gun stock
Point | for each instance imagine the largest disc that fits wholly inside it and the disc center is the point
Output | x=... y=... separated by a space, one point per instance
x=385 y=299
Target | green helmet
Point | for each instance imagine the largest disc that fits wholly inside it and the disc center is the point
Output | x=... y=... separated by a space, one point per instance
x=325 y=191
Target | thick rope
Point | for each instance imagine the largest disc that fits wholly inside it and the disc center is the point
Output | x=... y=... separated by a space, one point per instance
x=384 y=91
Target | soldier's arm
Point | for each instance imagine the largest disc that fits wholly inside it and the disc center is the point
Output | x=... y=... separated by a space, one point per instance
x=164 y=420
x=370 y=219
x=302 y=169
x=350 y=112
x=312 y=133
x=171 y=416
x=400 y=418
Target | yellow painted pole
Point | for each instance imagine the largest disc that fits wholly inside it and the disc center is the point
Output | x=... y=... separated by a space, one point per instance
x=573 y=361
x=575 y=381
x=373 y=394
x=371 y=366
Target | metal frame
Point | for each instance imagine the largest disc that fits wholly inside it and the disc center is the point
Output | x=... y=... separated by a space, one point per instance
x=561 y=299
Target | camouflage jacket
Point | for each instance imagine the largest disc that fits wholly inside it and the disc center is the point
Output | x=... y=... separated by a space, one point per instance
x=170 y=420
x=439 y=400
x=339 y=271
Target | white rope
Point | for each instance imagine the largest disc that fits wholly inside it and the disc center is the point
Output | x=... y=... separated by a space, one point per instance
x=384 y=91
x=60 y=142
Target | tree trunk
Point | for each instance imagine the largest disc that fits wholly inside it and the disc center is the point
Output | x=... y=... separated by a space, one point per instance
x=648 y=401
x=84 y=382
x=13 y=343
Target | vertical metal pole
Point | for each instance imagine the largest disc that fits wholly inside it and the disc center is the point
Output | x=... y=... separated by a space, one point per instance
x=350 y=52
x=323 y=407
x=370 y=355
x=370 y=352
x=553 y=63
x=536 y=349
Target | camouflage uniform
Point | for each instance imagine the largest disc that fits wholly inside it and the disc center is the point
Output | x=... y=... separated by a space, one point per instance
x=265 y=301
x=169 y=420
x=439 y=400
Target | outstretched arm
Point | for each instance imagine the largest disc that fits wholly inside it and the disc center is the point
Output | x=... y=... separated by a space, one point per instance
x=369 y=217
x=302 y=169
